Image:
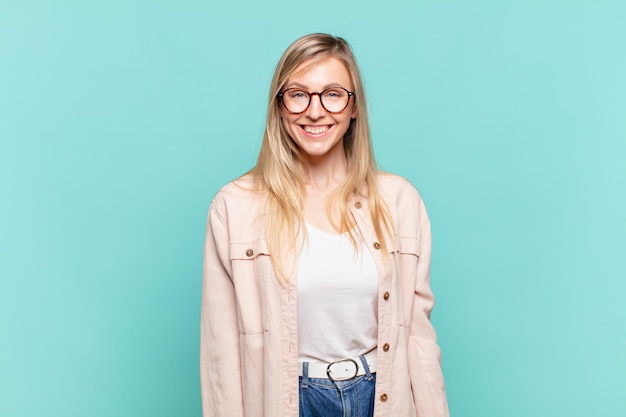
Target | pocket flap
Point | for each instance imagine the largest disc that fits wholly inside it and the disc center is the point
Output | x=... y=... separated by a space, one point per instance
x=409 y=245
x=249 y=250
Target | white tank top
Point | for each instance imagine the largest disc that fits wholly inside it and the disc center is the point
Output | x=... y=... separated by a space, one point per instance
x=337 y=298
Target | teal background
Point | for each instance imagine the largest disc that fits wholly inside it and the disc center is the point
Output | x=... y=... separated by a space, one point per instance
x=120 y=119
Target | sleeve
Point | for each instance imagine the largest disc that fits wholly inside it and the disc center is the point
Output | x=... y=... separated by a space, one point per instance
x=424 y=353
x=220 y=365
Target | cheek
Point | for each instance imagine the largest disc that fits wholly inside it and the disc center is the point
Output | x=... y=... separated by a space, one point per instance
x=287 y=122
x=288 y=125
x=284 y=119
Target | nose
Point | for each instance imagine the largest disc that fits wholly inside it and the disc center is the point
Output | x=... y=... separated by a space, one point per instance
x=316 y=110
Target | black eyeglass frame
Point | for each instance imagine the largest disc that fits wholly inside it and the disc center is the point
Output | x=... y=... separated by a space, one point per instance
x=319 y=94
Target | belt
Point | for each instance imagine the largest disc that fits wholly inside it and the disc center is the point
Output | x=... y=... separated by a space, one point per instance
x=342 y=369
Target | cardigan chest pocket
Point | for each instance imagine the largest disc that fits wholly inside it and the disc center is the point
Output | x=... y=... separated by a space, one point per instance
x=408 y=246
x=407 y=257
x=250 y=263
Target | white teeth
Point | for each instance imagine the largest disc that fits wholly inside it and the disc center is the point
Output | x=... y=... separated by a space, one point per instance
x=315 y=129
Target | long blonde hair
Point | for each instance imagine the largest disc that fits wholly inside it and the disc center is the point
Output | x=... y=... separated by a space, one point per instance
x=279 y=170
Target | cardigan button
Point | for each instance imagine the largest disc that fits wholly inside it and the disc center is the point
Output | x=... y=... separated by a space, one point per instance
x=357 y=204
x=386 y=347
x=376 y=245
x=249 y=253
x=386 y=295
x=383 y=397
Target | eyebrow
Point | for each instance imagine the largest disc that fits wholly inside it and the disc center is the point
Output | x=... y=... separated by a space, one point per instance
x=291 y=85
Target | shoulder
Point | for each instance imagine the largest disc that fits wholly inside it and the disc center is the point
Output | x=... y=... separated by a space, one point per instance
x=243 y=190
x=239 y=208
x=393 y=181
x=396 y=189
x=241 y=198
x=403 y=201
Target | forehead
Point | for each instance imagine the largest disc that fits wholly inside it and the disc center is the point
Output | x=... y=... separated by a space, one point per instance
x=321 y=73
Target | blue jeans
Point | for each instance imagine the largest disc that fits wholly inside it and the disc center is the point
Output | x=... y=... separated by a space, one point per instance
x=321 y=397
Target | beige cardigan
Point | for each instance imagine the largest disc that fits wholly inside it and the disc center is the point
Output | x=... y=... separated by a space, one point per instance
x=248 y=345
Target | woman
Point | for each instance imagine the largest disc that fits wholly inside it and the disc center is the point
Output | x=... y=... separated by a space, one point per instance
x=316 y=296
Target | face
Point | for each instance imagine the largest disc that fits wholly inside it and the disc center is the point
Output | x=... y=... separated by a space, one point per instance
x=318 y=133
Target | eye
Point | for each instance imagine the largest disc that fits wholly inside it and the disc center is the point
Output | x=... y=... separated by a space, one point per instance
x=334 y=93
x=296 y=94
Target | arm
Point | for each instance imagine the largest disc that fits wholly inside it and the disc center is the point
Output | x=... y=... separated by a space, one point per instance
x=424 y=353
x=220 y=365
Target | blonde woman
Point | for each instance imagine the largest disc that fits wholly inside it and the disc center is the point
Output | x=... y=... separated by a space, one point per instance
x=316 y=296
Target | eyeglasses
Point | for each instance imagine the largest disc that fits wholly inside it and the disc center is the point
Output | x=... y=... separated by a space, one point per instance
x=297 y=100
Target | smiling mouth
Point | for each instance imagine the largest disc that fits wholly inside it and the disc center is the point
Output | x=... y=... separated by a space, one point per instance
x=315 y=130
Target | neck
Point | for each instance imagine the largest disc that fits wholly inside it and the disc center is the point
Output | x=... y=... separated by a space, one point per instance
x=324 y=173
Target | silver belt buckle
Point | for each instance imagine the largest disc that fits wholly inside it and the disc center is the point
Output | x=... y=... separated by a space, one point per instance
x=339 y=368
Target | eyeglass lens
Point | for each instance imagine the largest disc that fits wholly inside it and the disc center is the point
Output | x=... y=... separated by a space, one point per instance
x=333 y=100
